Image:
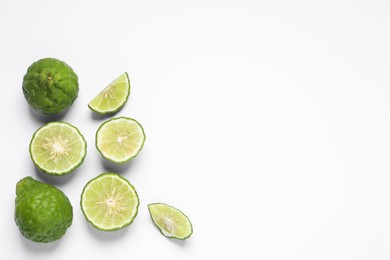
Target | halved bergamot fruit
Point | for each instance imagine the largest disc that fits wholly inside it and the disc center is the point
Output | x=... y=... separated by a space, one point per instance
x=171 y=221
x=58 y=148
x=113 y=97
x=120 y=139
x=109 y=202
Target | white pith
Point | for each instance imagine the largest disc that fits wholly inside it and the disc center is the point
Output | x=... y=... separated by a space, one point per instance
x=169 y=225
x=107 y=92
x=114 y=203
x=122 y=136
x=57 y=146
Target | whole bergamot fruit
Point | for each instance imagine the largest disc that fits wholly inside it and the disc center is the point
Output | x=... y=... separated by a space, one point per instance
x=43 y=213
x=50 y=86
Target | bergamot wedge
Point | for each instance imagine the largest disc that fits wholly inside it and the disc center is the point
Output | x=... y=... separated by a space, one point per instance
x=112 y=98
x=171 y=222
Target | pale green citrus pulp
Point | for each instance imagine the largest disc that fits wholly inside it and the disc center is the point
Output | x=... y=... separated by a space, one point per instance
x=113 y=97
x=109 y=202
x=120 y=139
x=57 y=148
x=171 y=221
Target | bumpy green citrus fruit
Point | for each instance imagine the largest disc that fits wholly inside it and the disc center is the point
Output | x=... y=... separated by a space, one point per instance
x=43 y=213
x=50 y=86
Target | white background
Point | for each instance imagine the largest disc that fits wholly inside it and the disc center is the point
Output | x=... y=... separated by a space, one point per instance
x=267 y=123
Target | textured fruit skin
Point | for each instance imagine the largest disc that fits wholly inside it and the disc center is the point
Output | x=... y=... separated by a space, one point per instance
x=50 y=86
x=43 y=213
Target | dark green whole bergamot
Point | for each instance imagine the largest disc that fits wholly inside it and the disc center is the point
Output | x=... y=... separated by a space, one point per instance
x=43 y=213
x=50 y=86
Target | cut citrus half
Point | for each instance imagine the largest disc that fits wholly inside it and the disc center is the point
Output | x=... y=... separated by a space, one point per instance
x=120 y=139
x=109 y=202
x=113 y=97
x=58 y=148
x=171 y=221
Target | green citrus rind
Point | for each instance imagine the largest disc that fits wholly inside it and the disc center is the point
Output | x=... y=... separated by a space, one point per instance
x=43 y=213
x=50 y=86
x=107 y=155
x=176 y=211
x=116 y=108
x=83 y=202
x=69 y=169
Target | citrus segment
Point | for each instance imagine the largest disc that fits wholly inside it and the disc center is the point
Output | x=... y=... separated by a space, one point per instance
x=113 y=97
x=109 y=202
x=120 y=139
x=171 y=221
x=57 y=148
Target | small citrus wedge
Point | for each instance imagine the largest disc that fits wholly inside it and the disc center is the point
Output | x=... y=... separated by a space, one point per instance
x=112 y=98
x=171 y=221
